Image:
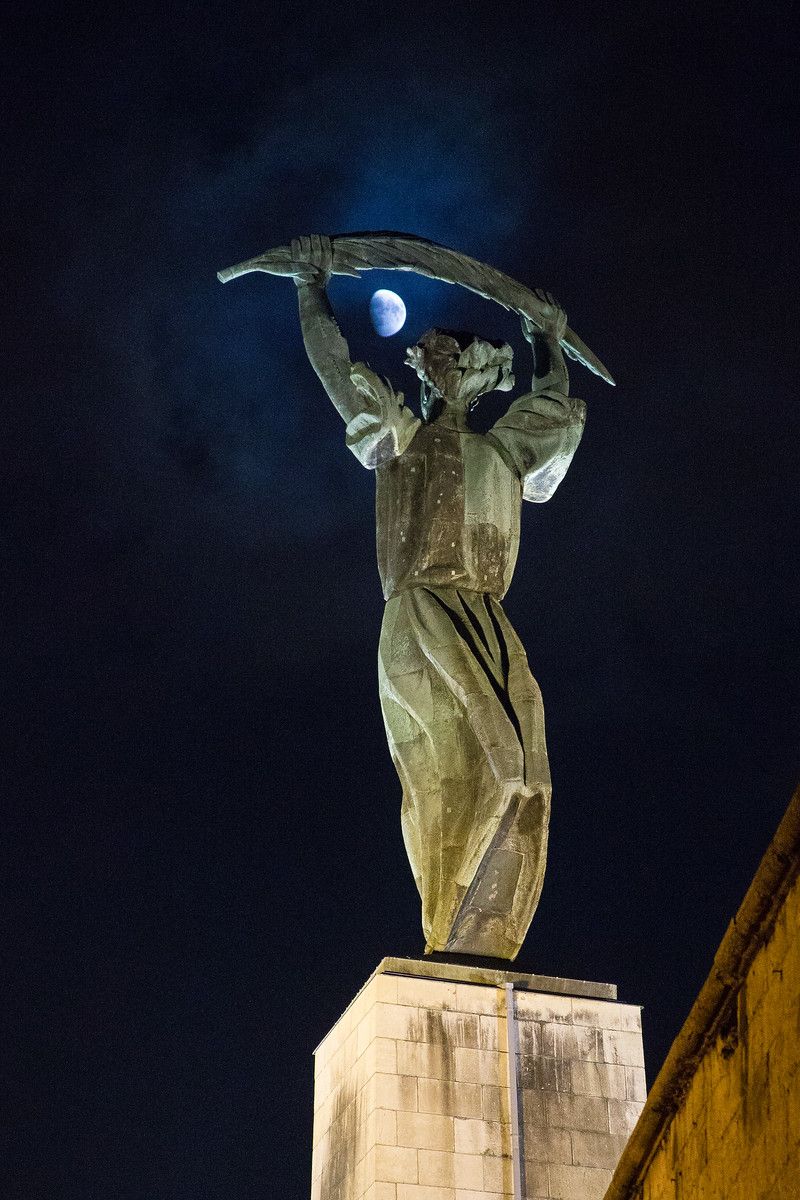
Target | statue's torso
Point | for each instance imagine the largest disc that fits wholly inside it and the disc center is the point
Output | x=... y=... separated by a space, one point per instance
x=448 y=514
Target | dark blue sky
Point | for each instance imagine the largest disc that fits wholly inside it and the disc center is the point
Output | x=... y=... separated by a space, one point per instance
x=203 y=840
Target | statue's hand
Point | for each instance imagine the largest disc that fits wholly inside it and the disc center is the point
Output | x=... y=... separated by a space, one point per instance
x=529 y=330
x=552 y=321
x=312 y=259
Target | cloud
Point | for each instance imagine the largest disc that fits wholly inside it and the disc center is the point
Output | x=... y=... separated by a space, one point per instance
x=222 y=397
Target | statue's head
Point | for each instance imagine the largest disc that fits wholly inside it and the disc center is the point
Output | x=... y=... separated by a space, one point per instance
x=457 y=368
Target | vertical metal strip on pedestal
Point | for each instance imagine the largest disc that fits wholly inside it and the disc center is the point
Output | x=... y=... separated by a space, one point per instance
x=513 y=1094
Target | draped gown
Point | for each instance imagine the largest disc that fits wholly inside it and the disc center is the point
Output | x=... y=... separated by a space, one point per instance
x=462 y=711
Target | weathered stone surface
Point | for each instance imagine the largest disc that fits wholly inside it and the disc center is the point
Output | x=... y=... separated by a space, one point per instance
x=488 y=998
x=451 y=1098
x=605 y=1079
x=597 y=1149
x=569 y=1182
x=546 y=1145
x=429 y=1114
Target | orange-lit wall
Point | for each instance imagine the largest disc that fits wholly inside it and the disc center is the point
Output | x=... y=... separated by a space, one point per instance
x=736 y=1134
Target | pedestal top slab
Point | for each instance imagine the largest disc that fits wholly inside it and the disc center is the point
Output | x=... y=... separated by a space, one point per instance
x=459 y=973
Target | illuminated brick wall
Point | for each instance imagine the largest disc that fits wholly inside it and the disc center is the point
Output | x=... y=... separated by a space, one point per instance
x=723 y=1119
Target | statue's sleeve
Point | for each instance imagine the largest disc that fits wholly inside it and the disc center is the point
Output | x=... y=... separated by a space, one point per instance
x=537 y=438
x=384 y=427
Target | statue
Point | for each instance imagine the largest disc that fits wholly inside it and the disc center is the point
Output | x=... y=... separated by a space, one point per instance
x=462 y=711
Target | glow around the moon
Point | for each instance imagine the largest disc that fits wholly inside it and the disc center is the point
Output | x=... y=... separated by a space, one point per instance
x=388 y=312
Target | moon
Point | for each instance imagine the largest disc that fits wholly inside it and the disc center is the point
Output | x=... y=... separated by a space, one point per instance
x=388 y=313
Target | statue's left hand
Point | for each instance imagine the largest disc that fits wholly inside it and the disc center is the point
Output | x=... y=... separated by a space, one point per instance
x=312 y=259
x=552 y=320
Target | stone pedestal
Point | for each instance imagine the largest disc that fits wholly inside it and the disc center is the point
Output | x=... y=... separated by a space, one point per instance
x=414 y=1099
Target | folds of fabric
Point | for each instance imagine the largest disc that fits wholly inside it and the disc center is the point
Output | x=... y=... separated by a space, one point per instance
x=465 y=726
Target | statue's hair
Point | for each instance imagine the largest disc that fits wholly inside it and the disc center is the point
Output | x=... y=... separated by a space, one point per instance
x=470 y=350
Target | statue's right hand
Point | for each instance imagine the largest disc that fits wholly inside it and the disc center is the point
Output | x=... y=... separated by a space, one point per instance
x=312 y=259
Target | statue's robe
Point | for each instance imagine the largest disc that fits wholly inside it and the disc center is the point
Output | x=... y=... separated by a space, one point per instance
x=463 y=713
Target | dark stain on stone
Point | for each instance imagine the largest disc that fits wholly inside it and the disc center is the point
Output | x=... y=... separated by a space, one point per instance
x=430 y=1027
x=344 y=1149
x=544 y=1074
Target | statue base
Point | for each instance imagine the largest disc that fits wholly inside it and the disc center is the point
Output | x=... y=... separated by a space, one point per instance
x=414 y=1098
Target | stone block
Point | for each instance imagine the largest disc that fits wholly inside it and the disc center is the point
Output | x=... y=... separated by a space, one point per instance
x=426 y=1131
x=481 y=1137
x=350 y=1049
x=467 y=1065
x=541 y=1074
x=622 y=1047
x=393 y=1021
x=473 y=999
x=623 y=1115
x=600 y=1079
x=326 y=1049
x=532 y=1111
x=498 y=1173
x=492 y=1033
x=493 y=1067
x=398 y=1092
x=359 y=1009
x=425 y=1060
x=596 y=1149
x=530 y=1037
x=364 y=1033
x=381 y=1191
x=441 y=1028
x=383 y=988
x=380 y=1128
x=330 y=1112
x=498 y=1177
x=426 y=993
x=450 y=1170
x=461 y=1029
x=546 y=1145
x=578 y=1183
x=323 y=1082
x=535 y=1180
x=321 y=1155
x=577 y=1112
x=422 y=1191
x=494 y=1104
x=606 y=1015
x=574 y=1041
x=395 y=1164
x=450 y=1098
x=635 y=1084
x=380 y=1055
x=534 y=1006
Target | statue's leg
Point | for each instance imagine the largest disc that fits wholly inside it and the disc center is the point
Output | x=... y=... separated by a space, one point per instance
x=530 y=831
x=465 y=724
x=442 y=767
x=506 y=864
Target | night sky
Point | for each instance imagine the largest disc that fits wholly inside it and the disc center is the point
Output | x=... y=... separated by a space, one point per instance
x=202 y=838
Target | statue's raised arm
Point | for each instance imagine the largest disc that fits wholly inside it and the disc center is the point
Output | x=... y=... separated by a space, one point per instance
x=379 y=426
x=327 y=350
x=550 y=372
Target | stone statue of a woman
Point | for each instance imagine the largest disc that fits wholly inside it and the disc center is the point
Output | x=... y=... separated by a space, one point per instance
x=463 y=713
